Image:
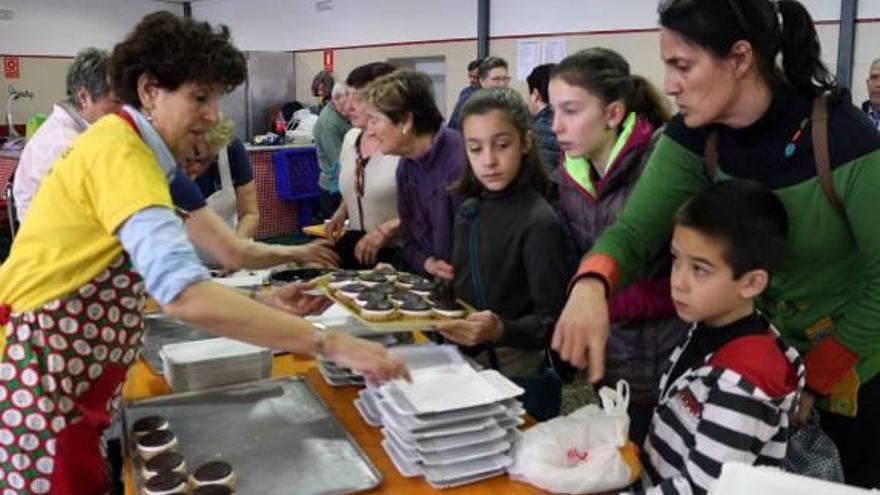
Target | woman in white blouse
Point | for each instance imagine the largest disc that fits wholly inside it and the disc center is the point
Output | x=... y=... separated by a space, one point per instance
x=367 y=181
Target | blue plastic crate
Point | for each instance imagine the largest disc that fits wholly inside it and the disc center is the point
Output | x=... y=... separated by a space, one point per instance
x=296 y=173
x=306 y=209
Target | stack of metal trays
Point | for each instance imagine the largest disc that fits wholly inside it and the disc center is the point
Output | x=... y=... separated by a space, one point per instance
x=453 y=425
x=162 y=330
x=213 y=363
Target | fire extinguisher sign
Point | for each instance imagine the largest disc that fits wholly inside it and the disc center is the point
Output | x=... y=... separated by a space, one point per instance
x=11 y=68
x=328 y=60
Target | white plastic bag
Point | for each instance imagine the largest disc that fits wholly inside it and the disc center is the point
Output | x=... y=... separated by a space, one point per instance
x=581 y=452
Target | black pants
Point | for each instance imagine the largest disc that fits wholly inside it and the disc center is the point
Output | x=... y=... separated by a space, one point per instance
x=345 y=249
x=328 y=202
x=858 y=438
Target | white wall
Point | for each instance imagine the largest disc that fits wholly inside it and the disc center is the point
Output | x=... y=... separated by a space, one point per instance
x=297 y=25
x=62 y=27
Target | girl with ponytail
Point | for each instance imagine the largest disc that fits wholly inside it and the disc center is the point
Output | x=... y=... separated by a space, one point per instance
x=756 y=102
x=605 y=119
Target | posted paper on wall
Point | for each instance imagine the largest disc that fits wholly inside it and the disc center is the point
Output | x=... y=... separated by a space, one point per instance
x=528 y=56
x=532 y=53
x=552 y=51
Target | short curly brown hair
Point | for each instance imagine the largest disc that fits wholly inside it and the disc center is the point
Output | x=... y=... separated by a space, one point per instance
x=175 y=50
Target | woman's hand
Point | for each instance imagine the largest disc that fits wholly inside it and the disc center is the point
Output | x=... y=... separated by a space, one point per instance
x=294 y=299
x=316 y=252
x=369 y=358
x=367 y=248
x=582 y=329
x=477 y=328
x=335 y=227
x=439 y=268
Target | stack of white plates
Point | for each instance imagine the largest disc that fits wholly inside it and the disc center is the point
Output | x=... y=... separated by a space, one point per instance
x=453 y=425
x=213 y=363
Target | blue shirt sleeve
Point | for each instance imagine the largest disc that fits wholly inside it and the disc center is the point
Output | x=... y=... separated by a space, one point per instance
x=161 y=252
x=240 y=169
x=184 y=192
x=239 y=164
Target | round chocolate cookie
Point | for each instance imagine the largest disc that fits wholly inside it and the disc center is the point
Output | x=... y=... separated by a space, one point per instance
x=416 y=305
x=370 y=296
x=149 y=423
x=345 y=273
x=353 y=288
x=373 y=277
x=386 y=270
x=156 y=438
x=425 y=286
x=379 y=305
x=166 y=483
x=438 y=297
x=409 y=279
x=385 y=288
x=169 y=461
x=212 y=490
x=214 y=472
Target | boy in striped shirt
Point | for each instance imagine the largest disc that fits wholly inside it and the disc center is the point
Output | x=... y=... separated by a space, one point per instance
x=731 y=385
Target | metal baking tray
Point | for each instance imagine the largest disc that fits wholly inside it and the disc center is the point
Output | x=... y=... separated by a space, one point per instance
x=278 y=435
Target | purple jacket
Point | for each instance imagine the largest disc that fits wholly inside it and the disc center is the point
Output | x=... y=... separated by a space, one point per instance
x=644 y=328
x=427 y=211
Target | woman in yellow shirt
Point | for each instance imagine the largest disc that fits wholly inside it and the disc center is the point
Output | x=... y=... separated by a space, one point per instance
x=102 y=233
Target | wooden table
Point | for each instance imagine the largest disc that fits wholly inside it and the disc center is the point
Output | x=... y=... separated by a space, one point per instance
x=143 y=382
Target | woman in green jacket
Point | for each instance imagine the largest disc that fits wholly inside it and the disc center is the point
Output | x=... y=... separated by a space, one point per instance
x=753 y=119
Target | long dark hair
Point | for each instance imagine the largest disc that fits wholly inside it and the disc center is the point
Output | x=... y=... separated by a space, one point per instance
x=605 y=74
x=511 y=105
x=771 y=28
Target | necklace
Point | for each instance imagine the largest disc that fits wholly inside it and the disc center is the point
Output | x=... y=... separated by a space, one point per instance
x=792 y=143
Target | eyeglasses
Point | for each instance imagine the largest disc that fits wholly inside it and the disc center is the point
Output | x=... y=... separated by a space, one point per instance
x=498 y=79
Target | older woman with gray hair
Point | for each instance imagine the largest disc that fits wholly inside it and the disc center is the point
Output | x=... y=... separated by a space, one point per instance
x=88 y=99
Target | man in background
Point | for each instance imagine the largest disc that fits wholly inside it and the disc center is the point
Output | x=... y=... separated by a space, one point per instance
x=329 y=132
x=872 y=105
x=493 y=73
x=474 y=78
x=542 y=116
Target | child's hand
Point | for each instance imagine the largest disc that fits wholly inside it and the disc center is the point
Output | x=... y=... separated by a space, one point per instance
x=477 y=328
x=800 y=415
